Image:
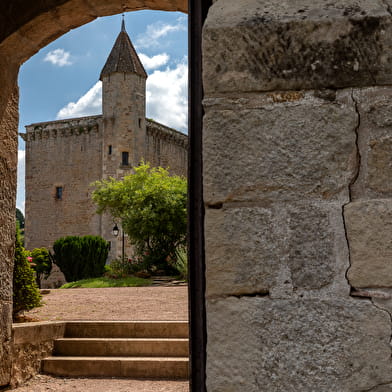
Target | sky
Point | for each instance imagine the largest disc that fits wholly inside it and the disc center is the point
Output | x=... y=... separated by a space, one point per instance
x=62 y=79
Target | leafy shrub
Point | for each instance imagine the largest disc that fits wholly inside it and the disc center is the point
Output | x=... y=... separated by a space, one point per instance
x=41 y=263
x=80 y=257
x=25 y=291
x=119 y=268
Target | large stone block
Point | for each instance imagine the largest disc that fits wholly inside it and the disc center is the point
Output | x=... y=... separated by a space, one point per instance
x=276 y=248
x=369 y=233
x=279 y=146
x=293 y=345
x=375 y=143
x=259 y=45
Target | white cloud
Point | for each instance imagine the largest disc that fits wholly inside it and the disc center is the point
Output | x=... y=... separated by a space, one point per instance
x=87 y=105
x=20 y=198
x=154 y=61
x=58 y=57
x=155 y=31
x=167 y=96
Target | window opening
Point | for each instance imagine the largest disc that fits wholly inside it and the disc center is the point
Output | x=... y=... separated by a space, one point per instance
x=110 y=150
x=125 y=158
x=59 y=192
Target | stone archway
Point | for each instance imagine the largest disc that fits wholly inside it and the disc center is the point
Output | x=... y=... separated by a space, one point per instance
x=296 y=151
x=25 y=29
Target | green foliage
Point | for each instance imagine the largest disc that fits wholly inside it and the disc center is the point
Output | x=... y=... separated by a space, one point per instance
x=151 y=205
x=20 y=218
x=42 y=264
x=80 y=257
x=181 y=263
x=128 y=281
x=25 y=291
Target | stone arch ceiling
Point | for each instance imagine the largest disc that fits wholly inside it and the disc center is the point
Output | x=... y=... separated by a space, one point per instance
x=25 y=30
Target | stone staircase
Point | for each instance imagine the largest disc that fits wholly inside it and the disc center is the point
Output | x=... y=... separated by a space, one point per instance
x=133 y=349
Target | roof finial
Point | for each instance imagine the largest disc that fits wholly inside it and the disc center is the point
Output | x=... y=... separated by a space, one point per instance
x=123 y=23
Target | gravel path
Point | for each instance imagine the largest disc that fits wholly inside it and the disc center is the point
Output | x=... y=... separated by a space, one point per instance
x=122 y=303
x=116 y=303
x=43 y=383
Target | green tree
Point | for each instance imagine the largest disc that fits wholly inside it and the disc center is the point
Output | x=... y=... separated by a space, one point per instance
x=151 y=205
x=42 y=264
x=25 y=291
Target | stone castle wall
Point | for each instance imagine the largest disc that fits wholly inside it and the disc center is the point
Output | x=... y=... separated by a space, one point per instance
x=71 y=154
x=167 y=147
x=65 y=154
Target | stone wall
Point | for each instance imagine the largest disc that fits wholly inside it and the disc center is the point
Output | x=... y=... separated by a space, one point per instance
x=166 y=147
x=8 y=164
x=32 y=342
x=64 y=154
x=297 y=186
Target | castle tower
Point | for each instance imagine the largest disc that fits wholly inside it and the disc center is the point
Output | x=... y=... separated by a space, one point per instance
x=124 y=118
x=124 y=106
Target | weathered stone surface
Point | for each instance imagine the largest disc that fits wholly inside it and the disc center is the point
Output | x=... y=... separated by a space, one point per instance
x=279 y=146
x=8 y=163
x=369 y=233
x=275 y=248
x=31 y=342
x=5 y=342
x=293 y=345
x=382 y=388
x=25 y=333
x=375 y=143
x=259 y=45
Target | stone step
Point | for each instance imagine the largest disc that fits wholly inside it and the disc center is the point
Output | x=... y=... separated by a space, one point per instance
x=127 y=329
x=168 y=347
x=136 y=367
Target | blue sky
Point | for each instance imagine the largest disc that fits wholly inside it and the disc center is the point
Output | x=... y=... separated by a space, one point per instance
x=62 y=79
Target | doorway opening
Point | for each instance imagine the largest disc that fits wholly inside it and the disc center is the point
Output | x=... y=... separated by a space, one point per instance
x=82 y=142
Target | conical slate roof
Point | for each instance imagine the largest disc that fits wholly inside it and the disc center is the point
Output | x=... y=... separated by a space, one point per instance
x=123 y=57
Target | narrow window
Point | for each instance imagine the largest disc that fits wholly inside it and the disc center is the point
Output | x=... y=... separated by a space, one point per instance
x=140 y=122
x=125 y=158
x=110 y=149
x=59 y=192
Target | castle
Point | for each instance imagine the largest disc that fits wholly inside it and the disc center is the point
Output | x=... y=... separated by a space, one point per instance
x=64 y=157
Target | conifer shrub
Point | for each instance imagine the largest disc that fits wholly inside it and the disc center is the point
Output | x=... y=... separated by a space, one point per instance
x=80 y=257
x=25 y=291
x=42 y=264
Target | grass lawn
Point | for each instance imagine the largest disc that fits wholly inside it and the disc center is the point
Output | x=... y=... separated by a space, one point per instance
x=92 y=283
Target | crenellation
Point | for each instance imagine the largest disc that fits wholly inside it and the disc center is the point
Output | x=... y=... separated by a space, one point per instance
x=62 y=128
